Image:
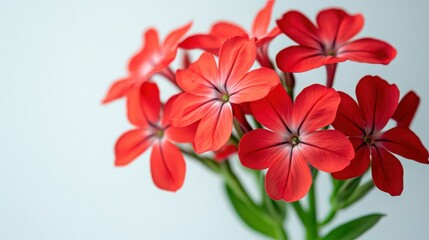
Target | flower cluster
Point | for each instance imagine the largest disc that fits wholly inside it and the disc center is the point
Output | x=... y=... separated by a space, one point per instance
x=232 y=100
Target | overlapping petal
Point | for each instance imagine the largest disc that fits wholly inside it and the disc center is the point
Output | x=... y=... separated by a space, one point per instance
x=387 y=172
x=236 y=57
x=300 y=29
x=288 y=179
x=167 y=166
x=262 y=20
x=143 y=105
x=406 y=109
x=315 y=107
x=189 y=108
x=368 y=50
x=117 y=90
x=302 y=58
x=260 y=148
x=377 y=100
x=253 y=86
x=404 y=142
x=215 y=128
x=131 y=145
x=275 y=110
x=329 y=151
x=349 y=118
x=358 y=165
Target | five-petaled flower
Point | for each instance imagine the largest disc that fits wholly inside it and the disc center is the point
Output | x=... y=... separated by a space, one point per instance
x=329 y=42
x=222 y=31
x=210 y=91
x=166 y=162
x=153 y=58
x=294 y=139
x=363 y=124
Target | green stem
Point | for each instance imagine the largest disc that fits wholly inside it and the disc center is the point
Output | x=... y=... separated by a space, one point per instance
x=313 y=226
x=300 y=212
x=208 y=162
x=234 y=183
x=331 y=215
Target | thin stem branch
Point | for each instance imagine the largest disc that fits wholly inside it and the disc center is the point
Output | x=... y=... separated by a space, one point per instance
x=313 y=226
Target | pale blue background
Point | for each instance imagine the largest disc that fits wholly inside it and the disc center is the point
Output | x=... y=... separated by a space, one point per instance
x=57 y=178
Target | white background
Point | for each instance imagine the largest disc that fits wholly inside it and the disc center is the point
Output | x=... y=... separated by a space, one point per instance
x=57 y=179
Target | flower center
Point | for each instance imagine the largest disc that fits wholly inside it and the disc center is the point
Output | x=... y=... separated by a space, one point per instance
x=294 y=140
x=368 y=139
x=160 y=133
x=330 y=52
x=225 y=97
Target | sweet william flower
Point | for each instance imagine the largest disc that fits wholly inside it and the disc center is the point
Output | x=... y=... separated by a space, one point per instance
x=293 y=139
x=153 y=58
x=210 y=91
x=363 y=123
x=329 y=42
x=153 y=130
x=222 y=31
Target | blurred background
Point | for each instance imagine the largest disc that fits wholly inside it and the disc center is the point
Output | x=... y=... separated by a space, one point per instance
x=57 y=179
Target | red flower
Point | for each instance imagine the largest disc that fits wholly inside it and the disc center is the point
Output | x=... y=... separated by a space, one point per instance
x=406 y=109
x=293 y=140
x=363 y=124
x=329 y=42
x=222 y=31
x=224 y=152
x=210 y=91
x=153 y=58
x=166 y=161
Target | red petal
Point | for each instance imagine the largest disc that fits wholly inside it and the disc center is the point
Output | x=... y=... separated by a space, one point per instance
x=406 y=109
x=177 y=134
x=201 y=78
x=117 y=90
x=404 y=142
x=171 y=41
x=188 y=108
x=297 y=26
x=143 y=104
x=151 y=48
x=214 y=129
x=236 y=57
x=329 y=150
x=275 y=110
x=202 y=41
x=253 y=86
x=167 y=166
x=387 y=172
x=226 y=151
x=336 y=26
x=357 y=166
x=368 y=50
x=262 y=20
x=377 y=100
x=131 y=144
x=226 y=30
x=260 y=148
x=301 y=59
x=288 y=179
x=315 y=107
x=349 y=118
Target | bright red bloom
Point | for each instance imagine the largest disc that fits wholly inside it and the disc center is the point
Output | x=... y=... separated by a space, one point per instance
x=222 y=31
x=153 y=58
x=329 y=42
x=363 y=124
x=210 y=91
x=293 y=140
x=166 y=161
x=406 y=109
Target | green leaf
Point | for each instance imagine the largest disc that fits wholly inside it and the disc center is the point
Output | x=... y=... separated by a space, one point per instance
x=358 y=194
x=347 y=189
x=276 y=209
x=253 y=217
x=353 y=229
